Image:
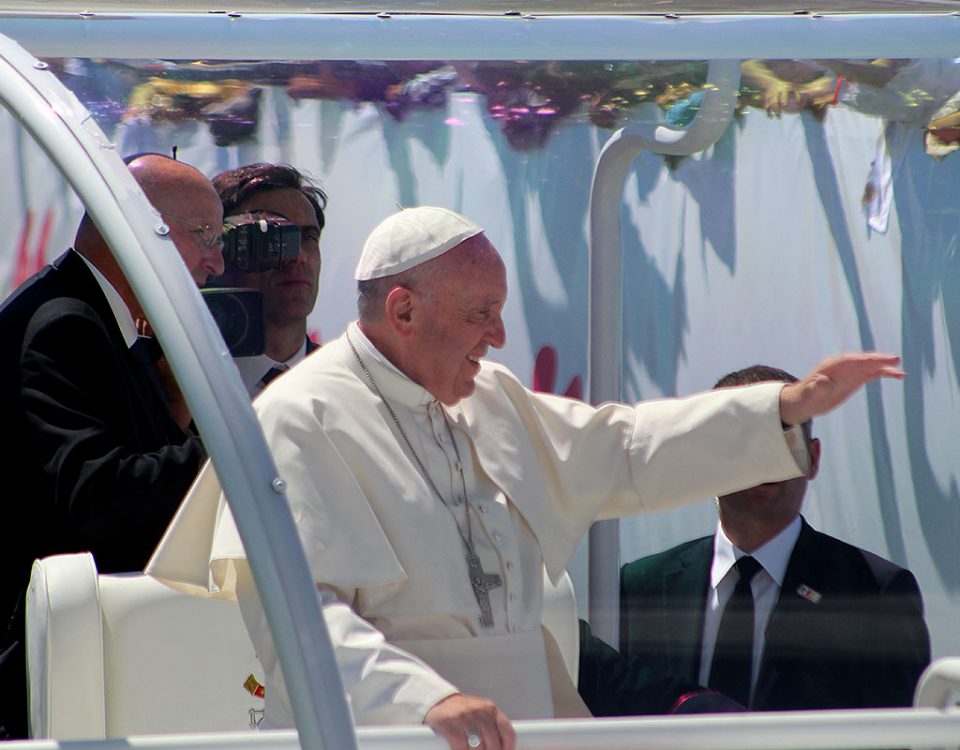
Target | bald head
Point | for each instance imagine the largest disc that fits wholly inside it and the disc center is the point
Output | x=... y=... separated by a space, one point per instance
x=189 y=206
x=164 y=181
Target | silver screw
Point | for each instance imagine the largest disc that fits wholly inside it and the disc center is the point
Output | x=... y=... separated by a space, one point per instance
x=279 y=486
x=40 y=65
x=162 y=229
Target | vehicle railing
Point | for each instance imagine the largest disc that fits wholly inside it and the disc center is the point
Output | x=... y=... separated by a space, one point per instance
x=605 y=336
x=209 y=381
x=880 y=729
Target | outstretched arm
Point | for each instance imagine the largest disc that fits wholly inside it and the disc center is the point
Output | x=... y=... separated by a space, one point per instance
x=832 y=382
x=386 y=685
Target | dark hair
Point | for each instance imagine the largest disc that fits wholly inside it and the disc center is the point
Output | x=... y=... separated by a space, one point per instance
x=763 y=374
x=236 y=185
x=755 y=374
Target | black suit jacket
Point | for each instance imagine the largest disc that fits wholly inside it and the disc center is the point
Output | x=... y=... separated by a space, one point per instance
x=95 y=462
x=863 y=644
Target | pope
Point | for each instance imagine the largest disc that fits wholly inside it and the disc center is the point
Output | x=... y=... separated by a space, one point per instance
x=430 y=488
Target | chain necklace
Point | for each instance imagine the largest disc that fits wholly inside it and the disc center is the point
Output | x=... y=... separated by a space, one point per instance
x=480 y=581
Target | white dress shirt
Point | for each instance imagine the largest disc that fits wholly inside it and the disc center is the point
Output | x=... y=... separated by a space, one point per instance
x=128 y=328
x=774 y=557
x=253 y=369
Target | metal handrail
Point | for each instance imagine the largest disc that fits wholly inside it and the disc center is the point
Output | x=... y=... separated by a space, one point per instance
x=606 y=291
x=209 y=381
x=879 y=729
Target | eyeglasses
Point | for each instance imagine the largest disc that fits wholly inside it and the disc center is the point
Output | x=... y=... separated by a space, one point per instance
x=204 y=235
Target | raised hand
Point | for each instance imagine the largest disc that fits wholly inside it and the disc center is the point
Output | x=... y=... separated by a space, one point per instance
x=833 y=381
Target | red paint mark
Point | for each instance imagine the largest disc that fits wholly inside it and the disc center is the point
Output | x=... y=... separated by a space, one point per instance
x=836 y=90
x=21 y=272
x=31 y=255
x=545 y=370
x=545 y=374
x=40 y=253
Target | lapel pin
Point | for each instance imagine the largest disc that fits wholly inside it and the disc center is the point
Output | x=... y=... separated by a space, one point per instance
x=809 y=594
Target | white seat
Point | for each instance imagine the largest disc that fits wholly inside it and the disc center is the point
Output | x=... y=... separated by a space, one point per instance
x=939 y=685
x=117 y=655
x=120 y=655
x=64 y=643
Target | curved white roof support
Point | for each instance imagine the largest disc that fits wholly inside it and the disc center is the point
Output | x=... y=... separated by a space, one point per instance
x=606 y=291
x=210 y=383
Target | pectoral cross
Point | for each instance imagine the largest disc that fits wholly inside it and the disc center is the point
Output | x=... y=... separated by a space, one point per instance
x=481 y=583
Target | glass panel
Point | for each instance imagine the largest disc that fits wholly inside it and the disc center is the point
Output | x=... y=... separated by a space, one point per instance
x=824 y=219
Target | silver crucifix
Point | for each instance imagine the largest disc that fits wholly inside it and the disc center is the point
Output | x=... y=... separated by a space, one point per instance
x=482 y=583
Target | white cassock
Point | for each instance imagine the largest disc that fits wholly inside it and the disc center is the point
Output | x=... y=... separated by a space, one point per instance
x=538 y=470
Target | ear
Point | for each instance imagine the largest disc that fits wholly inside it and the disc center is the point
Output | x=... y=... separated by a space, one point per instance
x=398 y=309
x=813 y=447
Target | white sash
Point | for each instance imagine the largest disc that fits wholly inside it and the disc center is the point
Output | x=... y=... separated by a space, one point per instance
x=510 y=669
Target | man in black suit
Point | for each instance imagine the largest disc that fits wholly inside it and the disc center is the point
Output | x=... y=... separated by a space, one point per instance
x=833 y=626
x=99 y=453
x=277 y=191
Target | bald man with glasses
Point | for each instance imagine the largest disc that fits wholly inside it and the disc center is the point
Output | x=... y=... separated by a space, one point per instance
x=99 y=450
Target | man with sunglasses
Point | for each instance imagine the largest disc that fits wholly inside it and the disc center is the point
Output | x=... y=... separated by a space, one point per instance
x=99 y=452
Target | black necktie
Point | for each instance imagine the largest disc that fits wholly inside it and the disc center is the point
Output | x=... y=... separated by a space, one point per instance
x=733 y=653
x=271 y=374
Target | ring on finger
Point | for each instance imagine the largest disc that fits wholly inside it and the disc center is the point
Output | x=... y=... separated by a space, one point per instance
x=474 y=740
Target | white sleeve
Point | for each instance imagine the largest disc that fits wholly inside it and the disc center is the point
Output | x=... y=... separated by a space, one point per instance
x=384 y=684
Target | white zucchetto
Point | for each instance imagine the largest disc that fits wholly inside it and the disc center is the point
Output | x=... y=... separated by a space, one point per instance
x=410 y=237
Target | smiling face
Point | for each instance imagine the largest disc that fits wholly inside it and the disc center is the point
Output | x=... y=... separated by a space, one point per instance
x=456 y=308
x=289 y=292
